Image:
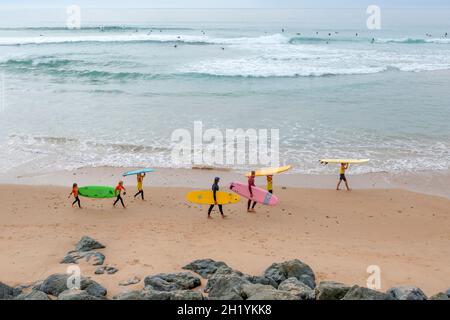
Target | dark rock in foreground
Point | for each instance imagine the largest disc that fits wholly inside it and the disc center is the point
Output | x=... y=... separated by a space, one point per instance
x=263 y=292
x=330 y=290
x=297 y=288
x=130 y=281
x=7 y=292
x=407 y=293
x=77 y=295
x=279 y=272
x=440 y=296
x=32 y=295
x=172 y=281
x=57 y=283
x=227 y=287
x=205 y=267
x=107 y=269
x=88 y=244
x=361 y=293
x=149 y=294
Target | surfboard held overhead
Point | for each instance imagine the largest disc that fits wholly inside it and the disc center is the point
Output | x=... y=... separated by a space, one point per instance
x=269 y=171
x=135 y=172
x=349 y=161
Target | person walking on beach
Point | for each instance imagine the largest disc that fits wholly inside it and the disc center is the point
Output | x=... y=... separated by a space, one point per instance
x=140 y=179
x=251 y=184
x=270 y=184
x=75 y=195
x=215 y=188
x=118 y=192
x=342 y=169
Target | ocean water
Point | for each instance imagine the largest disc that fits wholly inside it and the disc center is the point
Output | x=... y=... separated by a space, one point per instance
x=112 y=92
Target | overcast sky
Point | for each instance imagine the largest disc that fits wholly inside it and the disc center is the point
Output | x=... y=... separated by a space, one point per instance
x=226 y=3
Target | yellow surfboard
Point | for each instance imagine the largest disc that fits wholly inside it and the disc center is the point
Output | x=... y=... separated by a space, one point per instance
x=269 y=171
x=350 y=161
x=206 y=197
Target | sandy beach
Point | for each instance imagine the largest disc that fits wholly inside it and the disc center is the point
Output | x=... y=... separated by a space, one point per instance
x=338 y=233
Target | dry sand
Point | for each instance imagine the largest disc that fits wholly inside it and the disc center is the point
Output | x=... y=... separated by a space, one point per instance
x=338 y=233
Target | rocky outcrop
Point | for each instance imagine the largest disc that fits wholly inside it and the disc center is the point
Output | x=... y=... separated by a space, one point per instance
x=205 y=267
x=226 y=286
x=264 y=292
x=279 y=272
x=330 y=290
x=297 y=288
x=407 y=293
x=129 y=282
x=172 y=281
x=7 y=292
x=361 y=293
x=57 y=283
x=32 y=295
x=149 y=294
x=93 y=257
x=440 y=296
x=77 y=295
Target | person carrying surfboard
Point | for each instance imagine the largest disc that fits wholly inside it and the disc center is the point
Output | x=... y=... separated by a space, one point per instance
x=118 y=192
x=270 y=184
x=75 y=195
x=342 y=169
x=140 y=178
x=251 y=183
x=215 y=188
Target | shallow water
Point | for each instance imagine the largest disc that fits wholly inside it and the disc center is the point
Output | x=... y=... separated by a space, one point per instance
x=113 y=92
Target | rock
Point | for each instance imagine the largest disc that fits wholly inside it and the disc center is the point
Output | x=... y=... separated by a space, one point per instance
x=330 y=290
x=298 y=288
x=94 y=289
x=222 y=271
x=95 y=258
x=361 y=293
x=107 y=269
x=88 y=244
x=407 y=293
x=7 y=292
x=227 y=287
x=76 y=295
x=261 y=280
x=205 y=267
x=57 y=283
x=448 y=293
x=70 y=259
x=186 y=295
x=279 y=272
x=131 y=295
x=172 y=281
x=130 y=281
x=32 y=295
x=440 y=296
x=263 y=292
x=100 y=270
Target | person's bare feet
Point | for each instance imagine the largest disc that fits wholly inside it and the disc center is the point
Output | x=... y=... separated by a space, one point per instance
x=223 y=216
x=209 y=217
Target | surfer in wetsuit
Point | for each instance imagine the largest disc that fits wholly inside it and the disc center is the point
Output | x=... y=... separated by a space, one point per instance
x=117 y=193
x=215 y=188
x=251 y=183
x=342 y=169
x=270 y=184
x=140 y=178
x=75 y=195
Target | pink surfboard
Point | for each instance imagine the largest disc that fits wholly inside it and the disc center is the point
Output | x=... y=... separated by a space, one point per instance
x=259 y=195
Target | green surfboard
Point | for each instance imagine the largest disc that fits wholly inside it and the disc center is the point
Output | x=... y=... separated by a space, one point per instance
x=96 y=192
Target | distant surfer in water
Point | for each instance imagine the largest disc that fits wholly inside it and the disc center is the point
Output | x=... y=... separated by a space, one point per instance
x=342 y=169
x=118 y=192
x=140 y=178
x=269 y=184
x=215 y=188
x=251 y=184
x=75 y=195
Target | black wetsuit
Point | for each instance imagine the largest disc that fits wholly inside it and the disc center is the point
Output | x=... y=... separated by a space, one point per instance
x=77 y=200
x=215 y=188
